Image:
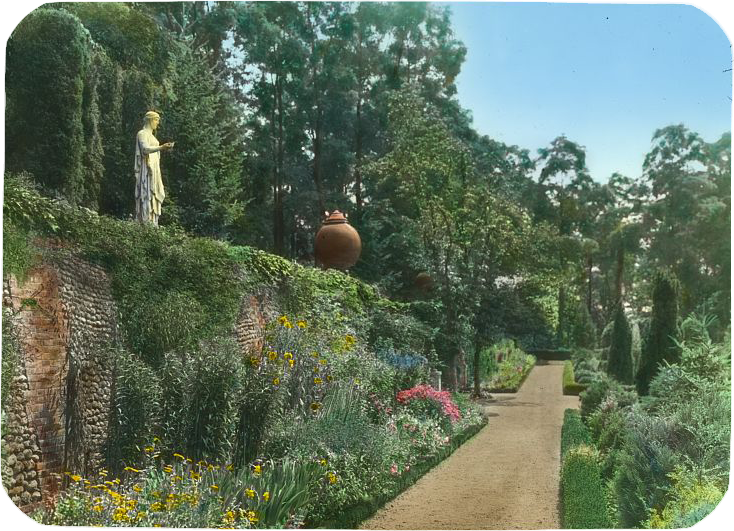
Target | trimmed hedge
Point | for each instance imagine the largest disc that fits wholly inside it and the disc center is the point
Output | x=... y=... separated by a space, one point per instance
x=570 y=386
x=574 y=432
x=583 y=496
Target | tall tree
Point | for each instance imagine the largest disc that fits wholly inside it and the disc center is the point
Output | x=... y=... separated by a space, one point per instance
x=619 y=363
x=660 y=345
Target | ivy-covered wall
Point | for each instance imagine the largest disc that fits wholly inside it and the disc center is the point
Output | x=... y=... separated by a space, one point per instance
x=100 y=304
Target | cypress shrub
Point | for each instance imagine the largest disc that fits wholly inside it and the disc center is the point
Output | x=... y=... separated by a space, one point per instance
x=659 y=344
x=48 y=55
x=620 y=365
x=583 y=495
x=574 y=432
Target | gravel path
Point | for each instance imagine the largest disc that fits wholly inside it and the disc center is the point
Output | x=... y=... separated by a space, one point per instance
x=505 y=477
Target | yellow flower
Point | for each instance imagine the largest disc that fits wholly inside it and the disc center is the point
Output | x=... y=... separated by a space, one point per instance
x=317 y=381
x=276 y=381
x=138 y=488
x=322 y=362
x=177 y=478
x=314 y=354
x=257 y=470
x=301 y=324
x=250 y=493
x=179 y=456
x=98 y=508
x=195 y=476
x=282 y=319
x=103 y=473
x=322 y=462
x=254 y=361
x=291 y=363
x=315 y=406
x=332 y=478
x=76 y=478
x=131 y=469
x=157 y=506
x=288 y=325
x=252 y=516
x=266 y=496
x=288 y=356
x=230 y=467
x=214 y=487
x=272 y=355
x=149 y=449
x=168 y=469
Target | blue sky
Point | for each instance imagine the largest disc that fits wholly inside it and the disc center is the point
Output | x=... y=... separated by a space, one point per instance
x=606 y=76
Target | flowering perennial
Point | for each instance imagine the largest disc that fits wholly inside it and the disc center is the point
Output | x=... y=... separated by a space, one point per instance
x=427 y=393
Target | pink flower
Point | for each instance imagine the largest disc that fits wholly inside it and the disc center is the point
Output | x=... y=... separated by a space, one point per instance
x=426 y=392
x=394 y=469
x=407 y=468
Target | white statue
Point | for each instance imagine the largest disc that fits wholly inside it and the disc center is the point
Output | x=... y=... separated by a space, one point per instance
x=149 y=193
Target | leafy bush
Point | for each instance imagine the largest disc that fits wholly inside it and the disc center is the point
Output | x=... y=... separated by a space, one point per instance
x=642 y=476
x=582 y=491
x=599 y=390
x=425 y=401
x=692 y=499
x=570 y=386
x=574 y=432
x=136 y=408
x=608 y=425
x=18 y=253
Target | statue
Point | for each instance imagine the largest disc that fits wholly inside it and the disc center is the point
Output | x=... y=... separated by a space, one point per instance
x=149 y=193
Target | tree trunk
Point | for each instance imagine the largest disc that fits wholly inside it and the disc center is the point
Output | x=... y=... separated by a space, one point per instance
x=589 y=267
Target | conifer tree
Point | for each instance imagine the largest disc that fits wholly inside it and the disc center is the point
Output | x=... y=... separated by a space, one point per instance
x=659 y=344
x=620 y=365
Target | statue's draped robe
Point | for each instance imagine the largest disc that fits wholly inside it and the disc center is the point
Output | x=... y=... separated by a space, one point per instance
x=149 y=193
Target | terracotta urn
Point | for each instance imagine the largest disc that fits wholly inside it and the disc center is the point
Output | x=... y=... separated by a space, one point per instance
x=423 y=281
x=338 y=244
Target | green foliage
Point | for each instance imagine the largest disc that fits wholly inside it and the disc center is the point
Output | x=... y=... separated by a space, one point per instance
x=574 y=432
x=602 y=388
x=18 y=253
x=204 y=176
x=620 y=364
x=513 y=366
x=608 y=425
x=660 y=343
x=136 y=408
x=642 y=477
x=45 y=92
x=582 y=491
x=584 y=333
x=570 y=386
x=692 y=499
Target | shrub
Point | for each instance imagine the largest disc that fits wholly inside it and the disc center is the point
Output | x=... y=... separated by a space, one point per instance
x=608 y=425
x=599 y=390
x=425 y=401
x=659 y=344
x=692 y=499
x=642 y=477
x=570 y=387
x=582 y=491
x=574 y=432
x=136 y=408
x=620 y=364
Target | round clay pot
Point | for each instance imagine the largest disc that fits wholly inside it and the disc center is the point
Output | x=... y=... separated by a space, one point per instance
x=337 y=244
x=423 y=281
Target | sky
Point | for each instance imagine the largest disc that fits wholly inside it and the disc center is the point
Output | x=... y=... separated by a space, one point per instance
x=606 y=76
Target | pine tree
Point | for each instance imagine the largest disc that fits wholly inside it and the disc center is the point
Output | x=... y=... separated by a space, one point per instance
x=659 y=344
x=620 y=365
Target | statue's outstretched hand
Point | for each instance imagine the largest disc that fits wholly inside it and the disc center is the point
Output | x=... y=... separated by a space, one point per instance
x=167 y=146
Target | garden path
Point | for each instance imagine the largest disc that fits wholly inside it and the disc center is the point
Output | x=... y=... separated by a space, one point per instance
x=505 y=477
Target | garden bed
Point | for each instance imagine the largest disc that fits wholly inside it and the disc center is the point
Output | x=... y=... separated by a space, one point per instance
x=353 y=515
x=513 y=383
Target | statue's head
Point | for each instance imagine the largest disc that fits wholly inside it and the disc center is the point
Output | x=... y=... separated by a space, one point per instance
x=152 y=118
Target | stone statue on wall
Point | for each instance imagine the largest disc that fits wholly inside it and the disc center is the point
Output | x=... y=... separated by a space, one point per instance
x=149 y=193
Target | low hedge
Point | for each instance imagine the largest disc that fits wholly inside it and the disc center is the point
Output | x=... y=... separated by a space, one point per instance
x=583 y=497
x=574 y=432
x=570 y=386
